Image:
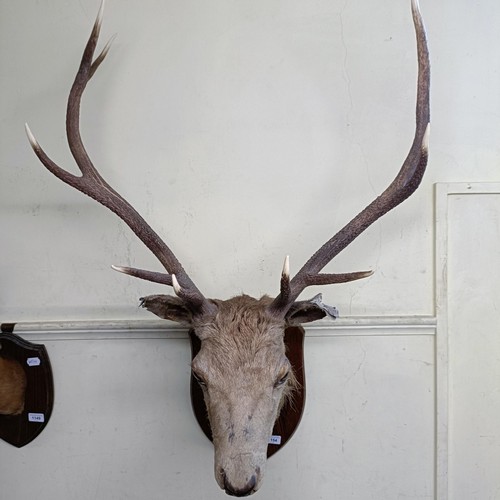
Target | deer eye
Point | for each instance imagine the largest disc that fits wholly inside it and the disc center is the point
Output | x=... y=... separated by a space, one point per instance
x=199 y=379
x=282 y=380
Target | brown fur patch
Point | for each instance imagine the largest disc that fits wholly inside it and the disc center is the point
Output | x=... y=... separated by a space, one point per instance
x=12 y=387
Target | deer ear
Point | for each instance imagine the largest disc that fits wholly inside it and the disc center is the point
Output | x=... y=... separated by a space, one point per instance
x=305 y=311
x=168 y=307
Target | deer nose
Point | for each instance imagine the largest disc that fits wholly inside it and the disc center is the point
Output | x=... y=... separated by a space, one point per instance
x=247 y=490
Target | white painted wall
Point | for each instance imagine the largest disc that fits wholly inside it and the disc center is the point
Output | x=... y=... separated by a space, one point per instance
x=122 y=426
x=243 y=131
x=468 y=341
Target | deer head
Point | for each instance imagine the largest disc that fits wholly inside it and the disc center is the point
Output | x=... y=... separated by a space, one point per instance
x=242 y=365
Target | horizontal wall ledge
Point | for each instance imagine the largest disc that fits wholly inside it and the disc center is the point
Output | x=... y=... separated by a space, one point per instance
x=153 y=329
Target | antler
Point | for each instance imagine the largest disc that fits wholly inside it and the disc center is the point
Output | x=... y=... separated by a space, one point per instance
x=92 y=184
x=405 y=183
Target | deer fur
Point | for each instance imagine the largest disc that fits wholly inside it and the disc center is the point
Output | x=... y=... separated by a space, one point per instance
x=12 y=387
x=245 y=376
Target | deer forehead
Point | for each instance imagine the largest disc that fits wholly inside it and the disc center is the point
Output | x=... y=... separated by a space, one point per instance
x=242 y=319
x=243 y=338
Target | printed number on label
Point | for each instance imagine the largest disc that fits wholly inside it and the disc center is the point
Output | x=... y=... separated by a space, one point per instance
x=275 y=440
x=33 y=361
x=36 y=417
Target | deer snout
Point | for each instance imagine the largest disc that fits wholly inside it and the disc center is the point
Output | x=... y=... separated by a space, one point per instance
x=246 y=490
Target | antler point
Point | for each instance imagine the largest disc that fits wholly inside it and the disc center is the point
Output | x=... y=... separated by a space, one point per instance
x=286 y=267
x=100 y=14
x=31 y=137
x=425 y=139
x=120 y=269
x=106 y=48
x=176 y=286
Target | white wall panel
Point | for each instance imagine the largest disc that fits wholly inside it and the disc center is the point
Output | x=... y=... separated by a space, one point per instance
x=469 y=341
x=122 y=425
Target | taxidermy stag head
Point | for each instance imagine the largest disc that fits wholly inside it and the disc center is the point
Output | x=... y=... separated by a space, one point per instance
x=242 y=365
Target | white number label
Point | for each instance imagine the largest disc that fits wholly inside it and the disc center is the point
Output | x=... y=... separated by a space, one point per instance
x=275 y=440
x=36 y=417
x=33 y=361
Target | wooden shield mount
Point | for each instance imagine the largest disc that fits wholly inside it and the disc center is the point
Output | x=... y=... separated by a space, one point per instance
x=290 y=414
x=26 y=388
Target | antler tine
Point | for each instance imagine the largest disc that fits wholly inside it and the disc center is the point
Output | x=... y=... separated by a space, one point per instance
x=404 y=184
x=92 y=184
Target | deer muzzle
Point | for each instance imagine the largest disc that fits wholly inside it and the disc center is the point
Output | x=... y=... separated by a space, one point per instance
x=241 y=476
